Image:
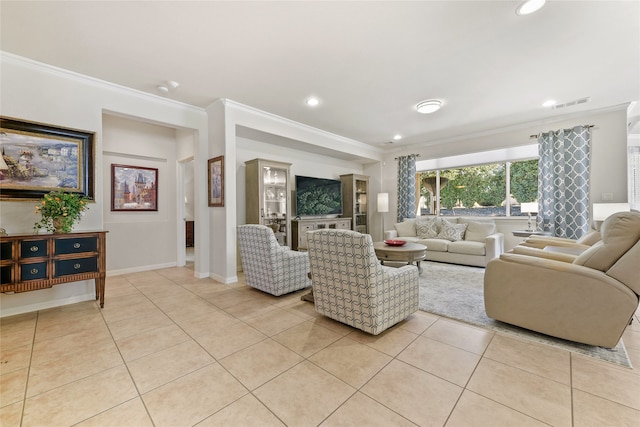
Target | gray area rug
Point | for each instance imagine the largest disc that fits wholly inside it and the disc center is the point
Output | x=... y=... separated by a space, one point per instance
x=457 y=292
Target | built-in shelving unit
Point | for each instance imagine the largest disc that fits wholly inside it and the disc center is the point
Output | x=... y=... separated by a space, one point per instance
x=268 y=196
x=355 y=201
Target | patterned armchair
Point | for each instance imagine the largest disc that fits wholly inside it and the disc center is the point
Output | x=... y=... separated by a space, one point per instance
x=351 y=286
x=268 y=266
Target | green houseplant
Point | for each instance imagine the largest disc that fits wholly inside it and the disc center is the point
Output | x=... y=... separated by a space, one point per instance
x=60 y=210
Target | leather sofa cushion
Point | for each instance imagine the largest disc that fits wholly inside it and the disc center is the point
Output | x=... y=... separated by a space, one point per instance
x=619 y=233
x=467 y=247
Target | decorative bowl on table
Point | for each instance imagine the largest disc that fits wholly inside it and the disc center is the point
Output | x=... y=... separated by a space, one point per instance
x=392 y=242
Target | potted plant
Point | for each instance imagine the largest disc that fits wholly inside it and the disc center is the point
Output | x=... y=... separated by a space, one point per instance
x=60 y=210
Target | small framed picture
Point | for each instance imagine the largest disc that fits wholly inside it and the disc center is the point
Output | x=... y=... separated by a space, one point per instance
x=134 y=188
x=216 y=181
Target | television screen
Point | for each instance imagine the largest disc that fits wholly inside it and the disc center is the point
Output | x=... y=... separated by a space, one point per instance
x=318 y=196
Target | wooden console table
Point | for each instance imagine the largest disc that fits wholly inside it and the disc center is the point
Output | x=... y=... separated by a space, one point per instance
x=38 y=261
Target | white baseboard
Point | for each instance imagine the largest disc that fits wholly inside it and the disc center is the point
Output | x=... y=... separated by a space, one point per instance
x=47 y=304
x=226 y=281
x=139 y=269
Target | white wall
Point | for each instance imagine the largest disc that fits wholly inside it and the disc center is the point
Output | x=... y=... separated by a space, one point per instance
x=35 y=92
x=133 y=239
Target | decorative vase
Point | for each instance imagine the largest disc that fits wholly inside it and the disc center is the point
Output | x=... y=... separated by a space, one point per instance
x=58 y=225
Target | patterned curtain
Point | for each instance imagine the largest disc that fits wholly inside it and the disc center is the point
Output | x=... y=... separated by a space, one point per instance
x=406 y=187
x=563 y=181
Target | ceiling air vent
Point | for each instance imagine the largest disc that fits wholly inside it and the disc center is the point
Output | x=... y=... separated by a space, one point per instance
x=572 y=103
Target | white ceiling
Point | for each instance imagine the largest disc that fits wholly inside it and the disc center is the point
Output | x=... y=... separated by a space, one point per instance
x=370 y=63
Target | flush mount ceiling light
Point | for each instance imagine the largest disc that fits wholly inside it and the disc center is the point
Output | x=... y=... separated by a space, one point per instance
x=429 y=106
x=529 y=6
x=312 y=101
x=397 y=137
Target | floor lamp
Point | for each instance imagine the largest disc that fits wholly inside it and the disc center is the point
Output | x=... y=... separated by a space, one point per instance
x=383 y=207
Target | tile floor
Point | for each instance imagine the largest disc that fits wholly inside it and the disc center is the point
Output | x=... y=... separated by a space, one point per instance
x=171 y=350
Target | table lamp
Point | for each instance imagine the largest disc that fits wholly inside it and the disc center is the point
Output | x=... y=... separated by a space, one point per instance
x=529 y=208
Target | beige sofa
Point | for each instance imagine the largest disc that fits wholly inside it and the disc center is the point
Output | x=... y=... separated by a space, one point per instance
x=456 y=240
x=589 y=300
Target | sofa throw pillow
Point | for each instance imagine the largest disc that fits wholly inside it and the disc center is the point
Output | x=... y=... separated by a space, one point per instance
x=452 y=232
x=406 y=228
x=427 y=228
x=478 y=231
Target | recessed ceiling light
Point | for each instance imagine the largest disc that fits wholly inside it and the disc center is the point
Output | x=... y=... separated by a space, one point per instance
x=312 y=102
x=429 y=106
x=162 y=88
x=530 y=6
x=549 y=103
x=173 y=84
x=397 y=137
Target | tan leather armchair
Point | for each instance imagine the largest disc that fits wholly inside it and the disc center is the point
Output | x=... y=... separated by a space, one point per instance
x=589 y=300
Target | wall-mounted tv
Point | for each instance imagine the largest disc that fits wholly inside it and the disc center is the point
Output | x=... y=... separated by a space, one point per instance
x=318 y=196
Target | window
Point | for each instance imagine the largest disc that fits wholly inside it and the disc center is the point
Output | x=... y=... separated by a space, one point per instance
x=479 y=190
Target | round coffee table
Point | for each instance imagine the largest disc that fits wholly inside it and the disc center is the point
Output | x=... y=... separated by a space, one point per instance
x=409 y=253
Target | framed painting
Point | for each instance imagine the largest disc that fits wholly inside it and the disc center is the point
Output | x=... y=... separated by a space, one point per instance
x=216 y=181
x=38 y=158
x=134 y=188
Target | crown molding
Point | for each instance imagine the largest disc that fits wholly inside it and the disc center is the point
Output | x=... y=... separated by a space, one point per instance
x=10 y=58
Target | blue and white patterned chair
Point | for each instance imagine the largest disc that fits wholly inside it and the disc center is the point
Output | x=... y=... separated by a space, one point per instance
x=351 y=286
x=268 y=266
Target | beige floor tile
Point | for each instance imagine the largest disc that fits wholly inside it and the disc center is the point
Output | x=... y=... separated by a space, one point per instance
x=304 y=395
x=249 y=309
x=475 y=410
x=164 y=366
x=634 y=357
x=137 y=325
x=392 y=341
x=442 y=360
x=422 y=398
x=460 y=335
x=81 y=341
x=113 y=314
x=593 y=411
x=274 y=321
x=540 y=398
x=246 y=411
x=361 y=410
x=230 y=298
x=137 y=346
x=353 y=362
x=307 y=338
x=11 y=415
x=14 y=358
x=55 y=373
x=332 y=325
x=49 y=330
x=18 y=322
x=194 y=397
x=418 y=322
x=80 y=400
x=304 y=309
x=16 y=338
x=197 y=305
x=130 y=413
x=221 y=342
x=631 y=338
x=122 y=291
x=539 y=359
x=606 y=381
x=12 y=386
x=260 y=363
x=204 y=322
x=120 y=301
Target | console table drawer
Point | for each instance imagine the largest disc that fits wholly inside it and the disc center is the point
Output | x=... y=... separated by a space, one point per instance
x=6 y=274
x=33 y=271
x=6 y=250
x=77 y=245
x=75 y=266
x=33 y=248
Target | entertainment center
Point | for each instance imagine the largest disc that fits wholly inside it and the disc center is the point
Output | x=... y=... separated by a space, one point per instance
x=319 y=202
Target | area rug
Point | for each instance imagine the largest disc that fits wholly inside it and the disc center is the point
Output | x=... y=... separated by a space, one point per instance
x=457 y=292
